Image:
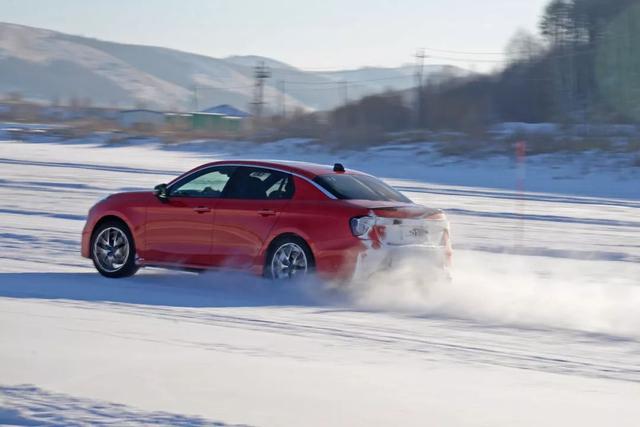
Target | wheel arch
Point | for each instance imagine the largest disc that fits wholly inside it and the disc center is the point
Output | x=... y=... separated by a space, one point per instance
x=107 y=218
x=268 y=247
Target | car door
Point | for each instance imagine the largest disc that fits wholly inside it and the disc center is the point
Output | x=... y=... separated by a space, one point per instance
x=179 y=230
x=246 y=213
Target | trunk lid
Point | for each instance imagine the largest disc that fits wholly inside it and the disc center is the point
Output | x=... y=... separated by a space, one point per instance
x=394 y=209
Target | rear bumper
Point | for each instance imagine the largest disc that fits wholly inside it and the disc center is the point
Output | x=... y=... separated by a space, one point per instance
x=432 y=258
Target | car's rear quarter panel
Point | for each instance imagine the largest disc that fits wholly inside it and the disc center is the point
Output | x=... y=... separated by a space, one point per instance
x=324 y=224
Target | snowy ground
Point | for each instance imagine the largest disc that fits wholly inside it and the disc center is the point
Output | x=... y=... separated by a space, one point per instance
x=540 y=327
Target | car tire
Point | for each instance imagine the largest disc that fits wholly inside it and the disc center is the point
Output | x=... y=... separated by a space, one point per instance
x=113 y=250
x=289 y=257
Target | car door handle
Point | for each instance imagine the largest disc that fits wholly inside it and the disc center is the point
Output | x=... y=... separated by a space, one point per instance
x=202 y=209
x=266 y=212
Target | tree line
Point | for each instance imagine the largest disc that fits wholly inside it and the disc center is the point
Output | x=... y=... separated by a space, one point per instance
x=582 y=66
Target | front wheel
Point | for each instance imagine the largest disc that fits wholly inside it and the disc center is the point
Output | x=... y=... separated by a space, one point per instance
x=289 y=258
x=113 y=250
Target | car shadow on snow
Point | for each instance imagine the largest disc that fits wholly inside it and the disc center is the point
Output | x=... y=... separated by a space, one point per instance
x=27 y=405
x=174 y=289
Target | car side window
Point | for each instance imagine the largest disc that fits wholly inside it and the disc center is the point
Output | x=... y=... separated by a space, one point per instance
x=259 y=184
x=207 y=183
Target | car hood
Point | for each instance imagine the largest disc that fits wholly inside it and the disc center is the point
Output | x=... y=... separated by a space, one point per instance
x=130 y=195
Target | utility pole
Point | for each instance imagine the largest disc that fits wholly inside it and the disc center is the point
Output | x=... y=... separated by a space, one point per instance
x=283 y=98
x=260 y=73
x=345 y=91
x=419 y=75
x=195 y=98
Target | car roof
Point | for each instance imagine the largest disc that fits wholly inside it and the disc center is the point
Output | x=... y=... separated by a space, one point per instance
x=308 y=170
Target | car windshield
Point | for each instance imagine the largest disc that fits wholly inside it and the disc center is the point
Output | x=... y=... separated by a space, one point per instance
x=359 y=187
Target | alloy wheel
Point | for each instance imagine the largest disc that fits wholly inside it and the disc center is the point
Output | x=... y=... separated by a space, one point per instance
x=111 y=249
x=289 y=261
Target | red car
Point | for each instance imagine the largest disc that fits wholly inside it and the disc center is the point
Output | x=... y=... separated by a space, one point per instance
x=275 y=218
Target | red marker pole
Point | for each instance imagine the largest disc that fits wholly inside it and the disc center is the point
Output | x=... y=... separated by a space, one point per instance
x=521 y=159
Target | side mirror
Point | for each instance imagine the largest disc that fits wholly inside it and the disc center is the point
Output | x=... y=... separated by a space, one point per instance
x=160 y=191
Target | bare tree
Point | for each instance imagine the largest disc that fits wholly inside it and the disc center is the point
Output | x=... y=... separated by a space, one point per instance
x=524 y=47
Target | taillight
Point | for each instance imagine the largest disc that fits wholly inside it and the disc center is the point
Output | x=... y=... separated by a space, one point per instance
x=438 y=216
x=362 y=225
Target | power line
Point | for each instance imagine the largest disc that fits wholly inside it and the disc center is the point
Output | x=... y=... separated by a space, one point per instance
x=467 y=60
x=341 y=70
x=200 y=88
x=462 y=52
x=505 y=61
x=453 y=58
x=378 y=79
x=343 y=85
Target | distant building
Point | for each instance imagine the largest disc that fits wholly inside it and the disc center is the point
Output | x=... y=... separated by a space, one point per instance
x=141 y=118
x=228 y=111
x=224 y=118
x=215 y=122
x=179 y=121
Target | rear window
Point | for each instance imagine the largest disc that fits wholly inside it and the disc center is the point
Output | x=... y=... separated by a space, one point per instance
x=359 y=187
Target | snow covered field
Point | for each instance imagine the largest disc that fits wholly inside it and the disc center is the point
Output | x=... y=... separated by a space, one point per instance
x=540 y=327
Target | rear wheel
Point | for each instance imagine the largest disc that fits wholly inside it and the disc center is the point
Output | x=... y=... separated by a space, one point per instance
x=113 y=250
x=289 y=258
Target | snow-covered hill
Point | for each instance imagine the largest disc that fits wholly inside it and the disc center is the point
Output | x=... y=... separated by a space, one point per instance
x=48 y=65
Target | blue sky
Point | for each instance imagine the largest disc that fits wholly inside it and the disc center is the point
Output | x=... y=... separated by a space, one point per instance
x=308 y=34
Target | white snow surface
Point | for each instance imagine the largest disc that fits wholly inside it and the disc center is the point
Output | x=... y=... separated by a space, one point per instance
x=540 y=326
